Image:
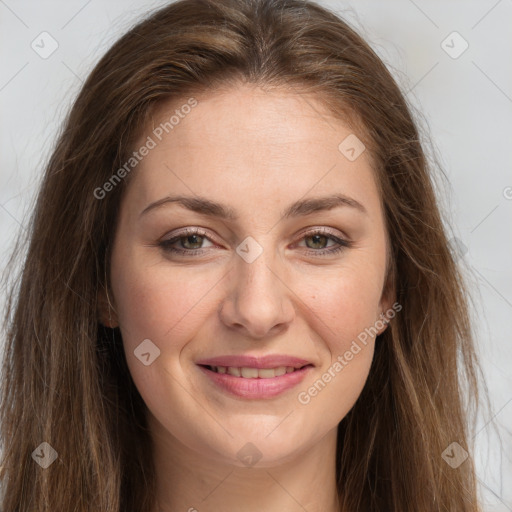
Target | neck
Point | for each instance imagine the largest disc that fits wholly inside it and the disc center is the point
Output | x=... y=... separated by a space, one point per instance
x=190 y=482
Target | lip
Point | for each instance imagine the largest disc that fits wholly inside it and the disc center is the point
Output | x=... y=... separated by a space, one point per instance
x=256 y=388
x=268 y=361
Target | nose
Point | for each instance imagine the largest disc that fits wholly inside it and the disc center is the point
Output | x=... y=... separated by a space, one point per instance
x=258 y=302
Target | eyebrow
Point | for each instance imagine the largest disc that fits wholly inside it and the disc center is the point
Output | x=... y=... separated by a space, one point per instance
x=300 y=208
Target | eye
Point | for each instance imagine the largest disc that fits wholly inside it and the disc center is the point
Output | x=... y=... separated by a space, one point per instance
x=191 y=241
x=320 y=238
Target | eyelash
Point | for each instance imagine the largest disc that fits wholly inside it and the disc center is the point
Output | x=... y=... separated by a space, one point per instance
x=167 y=244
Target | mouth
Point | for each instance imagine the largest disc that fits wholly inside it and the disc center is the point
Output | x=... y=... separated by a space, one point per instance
x=251 y=383
x=245 y=372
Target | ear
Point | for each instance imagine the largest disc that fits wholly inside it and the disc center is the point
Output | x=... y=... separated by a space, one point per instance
x=386 y=302
x=106 y=310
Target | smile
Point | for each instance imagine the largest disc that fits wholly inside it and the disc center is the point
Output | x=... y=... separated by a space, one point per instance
x=254 y=383
x=253 y=373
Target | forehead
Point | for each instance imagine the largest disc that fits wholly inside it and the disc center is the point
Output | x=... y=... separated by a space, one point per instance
x=278 y=118
x=251 y=143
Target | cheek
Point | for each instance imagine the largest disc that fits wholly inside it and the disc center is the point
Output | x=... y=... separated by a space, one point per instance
x=345 y=308
x=155 y=302
x=347 y=301
x=344 y=313
x=349 y=317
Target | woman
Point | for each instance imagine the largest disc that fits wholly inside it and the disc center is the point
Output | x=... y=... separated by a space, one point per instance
x=238 y=292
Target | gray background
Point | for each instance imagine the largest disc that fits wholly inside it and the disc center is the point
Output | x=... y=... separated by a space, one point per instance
x=465 y=104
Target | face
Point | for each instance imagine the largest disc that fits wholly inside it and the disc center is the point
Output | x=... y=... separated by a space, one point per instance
x=258 y=266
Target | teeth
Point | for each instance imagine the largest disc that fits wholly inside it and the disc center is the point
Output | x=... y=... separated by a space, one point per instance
x=234 y=371
x=265 y=373
x=254 y=373
x=249 y=373
x=280 y=371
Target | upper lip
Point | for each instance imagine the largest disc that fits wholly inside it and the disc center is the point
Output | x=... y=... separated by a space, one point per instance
x=268 y=361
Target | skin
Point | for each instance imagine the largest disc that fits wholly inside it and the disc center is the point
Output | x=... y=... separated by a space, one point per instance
x=256 y=152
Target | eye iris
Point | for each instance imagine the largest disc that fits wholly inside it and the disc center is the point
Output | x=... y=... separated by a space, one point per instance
x=187 y=239
x=317 y=239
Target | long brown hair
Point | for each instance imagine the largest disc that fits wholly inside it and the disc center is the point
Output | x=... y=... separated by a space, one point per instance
x=65 y=378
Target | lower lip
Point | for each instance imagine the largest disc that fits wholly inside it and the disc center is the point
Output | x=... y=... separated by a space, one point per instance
x=256 y=388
